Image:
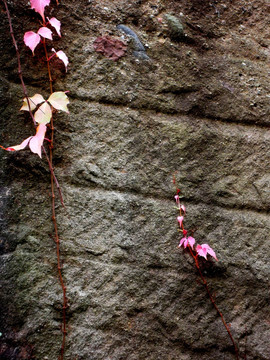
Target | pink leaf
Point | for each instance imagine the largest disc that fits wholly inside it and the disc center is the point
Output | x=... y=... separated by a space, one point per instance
x=21 y=146
x=183 y=242
x=177 y=200
x=45 y=32
x=205 y=249
x=180 y=220
x=191 y=241
x=37 y=140
x=182 y=207
x=212 y=253
x=187 y=241
x=39 y=5
x=31 y=39
x=56 y=24
x=62 y=56
x=179 y=206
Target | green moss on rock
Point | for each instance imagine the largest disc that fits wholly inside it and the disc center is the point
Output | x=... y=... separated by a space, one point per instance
x=175 y=27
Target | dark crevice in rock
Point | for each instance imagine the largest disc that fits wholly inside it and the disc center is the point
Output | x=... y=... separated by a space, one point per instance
x=95 y=253
x=194 y=112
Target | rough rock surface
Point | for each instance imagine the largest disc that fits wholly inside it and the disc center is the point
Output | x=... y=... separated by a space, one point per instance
x=198 y=108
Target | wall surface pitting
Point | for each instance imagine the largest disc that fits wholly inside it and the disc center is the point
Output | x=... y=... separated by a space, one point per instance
x=199 y=108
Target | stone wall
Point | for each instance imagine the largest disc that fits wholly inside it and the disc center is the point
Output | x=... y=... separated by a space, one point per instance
x=197 y=108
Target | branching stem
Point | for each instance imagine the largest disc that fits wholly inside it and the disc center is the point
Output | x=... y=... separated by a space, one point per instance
x=204 y=282
x=53 y=177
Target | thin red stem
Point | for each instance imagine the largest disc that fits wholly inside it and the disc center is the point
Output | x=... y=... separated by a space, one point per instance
x=195 y=258
x=213 y=301
x=18 y=61
x=57 y=239
x=53 y=177
x=48 y=64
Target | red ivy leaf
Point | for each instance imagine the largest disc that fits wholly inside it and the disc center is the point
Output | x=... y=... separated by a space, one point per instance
x=110 y=47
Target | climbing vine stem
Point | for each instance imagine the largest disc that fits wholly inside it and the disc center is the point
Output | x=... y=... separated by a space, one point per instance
x=18 y=60
x=203 y=250
x=56 y=235
x=212 y=299
x=53 y=179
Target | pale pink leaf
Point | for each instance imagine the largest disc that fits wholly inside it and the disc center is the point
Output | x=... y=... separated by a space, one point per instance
x=205 y=249
x=63 y=57
x=187 y=241
x=212 y=253
x=202 y=251
x=45 y=32
x=180 y=220
x=56 y=24
x=43 y=114
x=183 y=242
x=39 y=5
x=31 y=39
x=33 y=101
x=36 y=142
x=191 y=241
x=59 y=101
x=21 y=146
x=182 y=207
